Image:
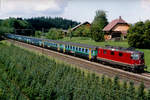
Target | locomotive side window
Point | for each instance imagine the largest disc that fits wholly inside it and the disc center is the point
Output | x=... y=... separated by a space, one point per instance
x=112 y=53
x=105 y=52
x=120 y=54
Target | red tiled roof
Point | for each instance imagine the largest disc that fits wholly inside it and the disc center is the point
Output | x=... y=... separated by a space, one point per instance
x=114 y=23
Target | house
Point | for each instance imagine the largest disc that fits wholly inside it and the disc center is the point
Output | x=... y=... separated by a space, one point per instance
x=87 y=24
x=116 y=29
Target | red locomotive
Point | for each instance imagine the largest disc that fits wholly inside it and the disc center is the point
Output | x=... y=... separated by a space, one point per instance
x=127 y=57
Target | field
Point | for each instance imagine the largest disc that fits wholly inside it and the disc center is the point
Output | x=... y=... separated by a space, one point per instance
x=25 y=75
x=87 y=40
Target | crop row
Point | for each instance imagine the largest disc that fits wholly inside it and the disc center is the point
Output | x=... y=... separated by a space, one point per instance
x=27 y=75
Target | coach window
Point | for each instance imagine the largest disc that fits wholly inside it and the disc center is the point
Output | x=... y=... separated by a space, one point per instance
x=73 y=48
x=120 y=54
x=70 y=47
x=82 y=49
x=112 y=53
x=76 y=48
x=105 y=52
x=79 y=49
x=86 y=50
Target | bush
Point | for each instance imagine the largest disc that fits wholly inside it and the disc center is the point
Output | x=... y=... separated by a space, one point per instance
x=54 y=34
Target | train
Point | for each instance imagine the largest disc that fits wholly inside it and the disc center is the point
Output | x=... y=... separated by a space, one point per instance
x=124 y=58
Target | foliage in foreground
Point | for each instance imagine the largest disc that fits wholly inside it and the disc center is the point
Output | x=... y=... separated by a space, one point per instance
x=25 y=75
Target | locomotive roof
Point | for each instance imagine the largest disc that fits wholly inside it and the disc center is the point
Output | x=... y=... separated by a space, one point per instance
x=118 y=48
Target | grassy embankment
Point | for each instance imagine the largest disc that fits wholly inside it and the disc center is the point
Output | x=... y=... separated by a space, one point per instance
x=86 y=40
x=26 y=75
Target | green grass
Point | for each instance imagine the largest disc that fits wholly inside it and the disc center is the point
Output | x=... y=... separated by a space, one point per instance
x=86 y=40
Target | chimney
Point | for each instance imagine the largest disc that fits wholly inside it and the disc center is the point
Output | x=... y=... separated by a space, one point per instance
x=120 y=17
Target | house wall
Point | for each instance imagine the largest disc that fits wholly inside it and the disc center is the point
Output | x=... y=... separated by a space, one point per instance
x=121 y=27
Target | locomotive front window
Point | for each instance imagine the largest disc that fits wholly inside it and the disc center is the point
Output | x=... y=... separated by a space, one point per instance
x=135 y=56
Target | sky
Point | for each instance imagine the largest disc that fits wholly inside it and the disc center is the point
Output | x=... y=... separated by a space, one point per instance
x=77 y=10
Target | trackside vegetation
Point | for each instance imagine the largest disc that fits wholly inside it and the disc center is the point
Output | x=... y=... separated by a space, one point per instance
x=25 y=75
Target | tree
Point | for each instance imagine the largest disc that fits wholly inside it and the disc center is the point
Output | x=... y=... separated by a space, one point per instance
x=38 y=34
x=139 y=35
x=82 y=31
x=100 y=21
x=54 y=34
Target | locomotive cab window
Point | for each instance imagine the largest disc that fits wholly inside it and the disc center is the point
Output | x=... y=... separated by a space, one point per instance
x=120 y=54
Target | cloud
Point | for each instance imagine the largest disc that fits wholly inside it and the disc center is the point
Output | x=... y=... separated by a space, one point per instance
x=11 y=8
x=145 y=4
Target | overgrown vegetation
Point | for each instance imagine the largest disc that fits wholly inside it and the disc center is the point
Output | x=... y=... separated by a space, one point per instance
x=25 y=75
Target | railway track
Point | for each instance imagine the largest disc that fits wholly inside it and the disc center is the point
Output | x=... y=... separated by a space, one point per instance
x=92 y=66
